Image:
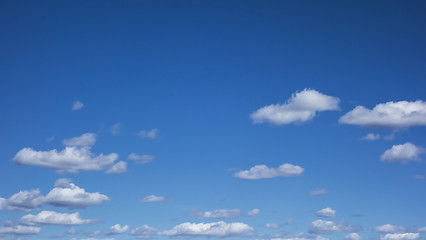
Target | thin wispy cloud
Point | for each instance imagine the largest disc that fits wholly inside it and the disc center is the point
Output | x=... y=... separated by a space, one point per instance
x=140 y=159
x=150 y=134
x=77 y=105
x=153 y=198
x=318 y=191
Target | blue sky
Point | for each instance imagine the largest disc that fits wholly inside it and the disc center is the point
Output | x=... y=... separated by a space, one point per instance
x=275 y=120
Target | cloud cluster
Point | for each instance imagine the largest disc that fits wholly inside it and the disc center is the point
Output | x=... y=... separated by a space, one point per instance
x=262 y=171
x=326 y=212
x=322 y=226
x=117 y=229
x=400 y=236
x=402 y=153
x=75 y=157
x=301 y=107
x=401 y=114
x=19 y=230
x=54 y=218
x=389 y=228
x=217 y=213
x=215 y=229
x=25 y=200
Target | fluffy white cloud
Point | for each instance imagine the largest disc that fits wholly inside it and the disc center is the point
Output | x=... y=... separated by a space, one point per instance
x=19 y=230
x=262 y=171
x=301 y=107
x=371 y=137
x=321 y=226
x=389 y=228
x=326 y=212
x=117 y=229
x=25 y=200
x=54 y=218
x=400 y=236
x=388 y=115
x=253 y=212
x=119 y=167
x=77 y=105
x=402 y=153
x=153 y=198
x=215 y=229
x=318 y=191
x=140 y=159
x=353 y=236
x=71 y=196
x=151 y=134
x=75 y=157
x=144 y=232
x=217 y=213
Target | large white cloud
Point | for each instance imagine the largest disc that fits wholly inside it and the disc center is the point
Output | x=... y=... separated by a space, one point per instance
x=389 y=228
x=301 y=107
x=388 y=115
x=75 y=157
x=402 y=153
x=217 y=213
x=25 y=200
x=117 y=229
x=215 y=229
x=400 y=236
x=262 y=171
x=322 y=226
x=326 y=212
x=19 y=230
x=54 y=218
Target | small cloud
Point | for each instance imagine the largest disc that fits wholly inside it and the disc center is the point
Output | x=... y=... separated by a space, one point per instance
x=272 y=225
x=54 y=218
x=322 y=226
x=117 y=229
x=402 y=153
x=218 y=213
x=51 y=138
x=389 y=137
x=19 y=230
x=400 y=236
x=119 y=167
x=318 y=191
x=389 y=228
x=419 y=176
x=353 y=236
x=115 y=129
x=144 y=232
x=262 y=171
x=209 y=230
x=140 y=159
x=85 y=140
x=326 y=212
x=151 y=134
x=371 y=137
x=253 y=212
x=77 y=105
x=153 y=198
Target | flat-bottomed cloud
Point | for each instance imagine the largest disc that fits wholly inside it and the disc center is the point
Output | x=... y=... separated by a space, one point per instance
x=262 y=171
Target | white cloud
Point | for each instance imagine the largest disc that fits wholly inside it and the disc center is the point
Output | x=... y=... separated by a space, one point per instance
x=72 y=196
x=54 y=218
x=19 y=230
x=301 y=107
x=3 y=203
x=326 y=212
x=272 y=225
x=262 y=171
x=318 y=191
x=321 y=226
x=300 y=236
x=63 y=183
x=25 y=200
x=117 y=229
x=153 y=198
x=75 y=157
x=115 y=129
x=151 y=134
x=400 y=236
x=140 y=159
x=144 y=232
x=371 y=137
x=119 y=167
x=77 y=105
x=353 y=236
x=422 y=229
x=215 y=229
x=253 y=212
x=389 y=228
x=388 y=115
x=402 y=153
x=218 y=213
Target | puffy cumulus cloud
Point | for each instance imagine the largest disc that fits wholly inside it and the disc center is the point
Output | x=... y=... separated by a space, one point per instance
x=71 y=196
x=19 y=230
x=117 y=229
x=262 y=171
x=218 y=213
x=301 y=107
x=151 y=134
x=215 y=229
x=400 y=114
x=144 y=232
x=77 y=105
x=389 y=228
x=140 y=159
x=322 y=226
x=54 y=218
x=153 y=198
x=119 y=167
x=253 y=212
x=318 y=191
x=400 y=236
x=353 y=236
x=402 y=153
x=326 y=212
x=371 y=137
x=75 y=157
x=25 y=200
